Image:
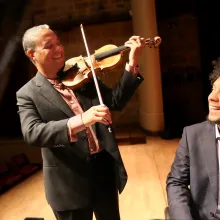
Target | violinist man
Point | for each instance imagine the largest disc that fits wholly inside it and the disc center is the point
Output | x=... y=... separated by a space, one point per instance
x=82 y=166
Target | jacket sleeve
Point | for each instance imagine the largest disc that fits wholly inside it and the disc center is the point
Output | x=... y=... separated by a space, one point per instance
x=178 y=181
x=34 y=130
x=116 y=98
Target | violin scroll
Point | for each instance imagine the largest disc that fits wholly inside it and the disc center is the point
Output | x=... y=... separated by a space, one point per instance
x=153 y=43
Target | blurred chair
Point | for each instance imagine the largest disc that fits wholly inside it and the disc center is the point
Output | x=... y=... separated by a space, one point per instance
x=23 y=165
x=7 y=177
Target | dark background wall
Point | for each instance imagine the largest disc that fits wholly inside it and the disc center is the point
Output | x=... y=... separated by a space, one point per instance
x=190 y=41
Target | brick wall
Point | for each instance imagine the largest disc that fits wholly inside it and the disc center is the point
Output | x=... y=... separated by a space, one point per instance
x=56 y=11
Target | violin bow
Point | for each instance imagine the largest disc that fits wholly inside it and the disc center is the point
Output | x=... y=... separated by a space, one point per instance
x=93 y=72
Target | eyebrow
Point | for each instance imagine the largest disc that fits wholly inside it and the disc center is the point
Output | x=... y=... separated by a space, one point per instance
x=46 y=41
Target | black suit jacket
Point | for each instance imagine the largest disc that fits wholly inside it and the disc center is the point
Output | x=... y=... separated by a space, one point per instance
x=44 y=115
x=192 y=184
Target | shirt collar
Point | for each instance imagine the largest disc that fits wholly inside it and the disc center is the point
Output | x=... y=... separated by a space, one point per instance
x=217 y=134
x=56 y=83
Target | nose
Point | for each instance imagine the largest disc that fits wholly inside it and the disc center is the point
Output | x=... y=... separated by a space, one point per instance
x=58 y=48
x=213 y=97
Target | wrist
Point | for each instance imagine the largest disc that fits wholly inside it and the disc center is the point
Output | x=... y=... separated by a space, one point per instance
x=133 y=62
x=82 y=119
x=132 y=69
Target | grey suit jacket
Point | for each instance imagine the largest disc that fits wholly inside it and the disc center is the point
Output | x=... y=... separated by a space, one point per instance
x=192 y=184
x=44 y=115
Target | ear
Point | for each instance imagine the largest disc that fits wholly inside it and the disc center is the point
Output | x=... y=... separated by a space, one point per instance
x=30 y=54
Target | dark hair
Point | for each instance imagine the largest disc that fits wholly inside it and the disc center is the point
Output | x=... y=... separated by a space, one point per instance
x=215 y=74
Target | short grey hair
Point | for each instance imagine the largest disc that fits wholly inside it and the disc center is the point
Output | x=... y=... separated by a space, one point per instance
x=29 y=38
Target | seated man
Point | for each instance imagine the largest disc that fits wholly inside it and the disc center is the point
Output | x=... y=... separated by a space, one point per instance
x=193 y=182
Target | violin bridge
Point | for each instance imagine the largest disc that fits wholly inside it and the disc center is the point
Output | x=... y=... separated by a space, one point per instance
x=87 y=65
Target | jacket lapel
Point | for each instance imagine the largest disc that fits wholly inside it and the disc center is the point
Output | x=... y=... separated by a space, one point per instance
x=209 y=148
x=47 y=90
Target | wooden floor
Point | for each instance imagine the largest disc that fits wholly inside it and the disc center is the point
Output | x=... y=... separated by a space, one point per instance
x=144 y=197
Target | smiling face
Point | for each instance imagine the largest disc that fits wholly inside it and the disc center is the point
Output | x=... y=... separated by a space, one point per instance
x=48 y=55
x=214 y=103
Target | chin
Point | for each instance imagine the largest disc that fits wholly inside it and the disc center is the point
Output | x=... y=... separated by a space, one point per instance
x=60 y=64
x=214 y=119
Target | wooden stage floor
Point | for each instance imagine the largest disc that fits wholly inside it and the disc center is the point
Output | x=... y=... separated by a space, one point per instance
x=143 y=198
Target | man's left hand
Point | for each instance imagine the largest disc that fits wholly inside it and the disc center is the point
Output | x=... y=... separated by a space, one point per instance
x=136 y=44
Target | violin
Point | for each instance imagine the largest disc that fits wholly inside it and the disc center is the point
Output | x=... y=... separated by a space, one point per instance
x=77 y=70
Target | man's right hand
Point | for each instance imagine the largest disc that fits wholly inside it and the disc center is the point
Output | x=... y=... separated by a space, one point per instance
x=98 y=113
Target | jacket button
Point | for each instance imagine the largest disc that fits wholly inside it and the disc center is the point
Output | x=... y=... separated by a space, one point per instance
x=212 y=214
x=84 y=138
